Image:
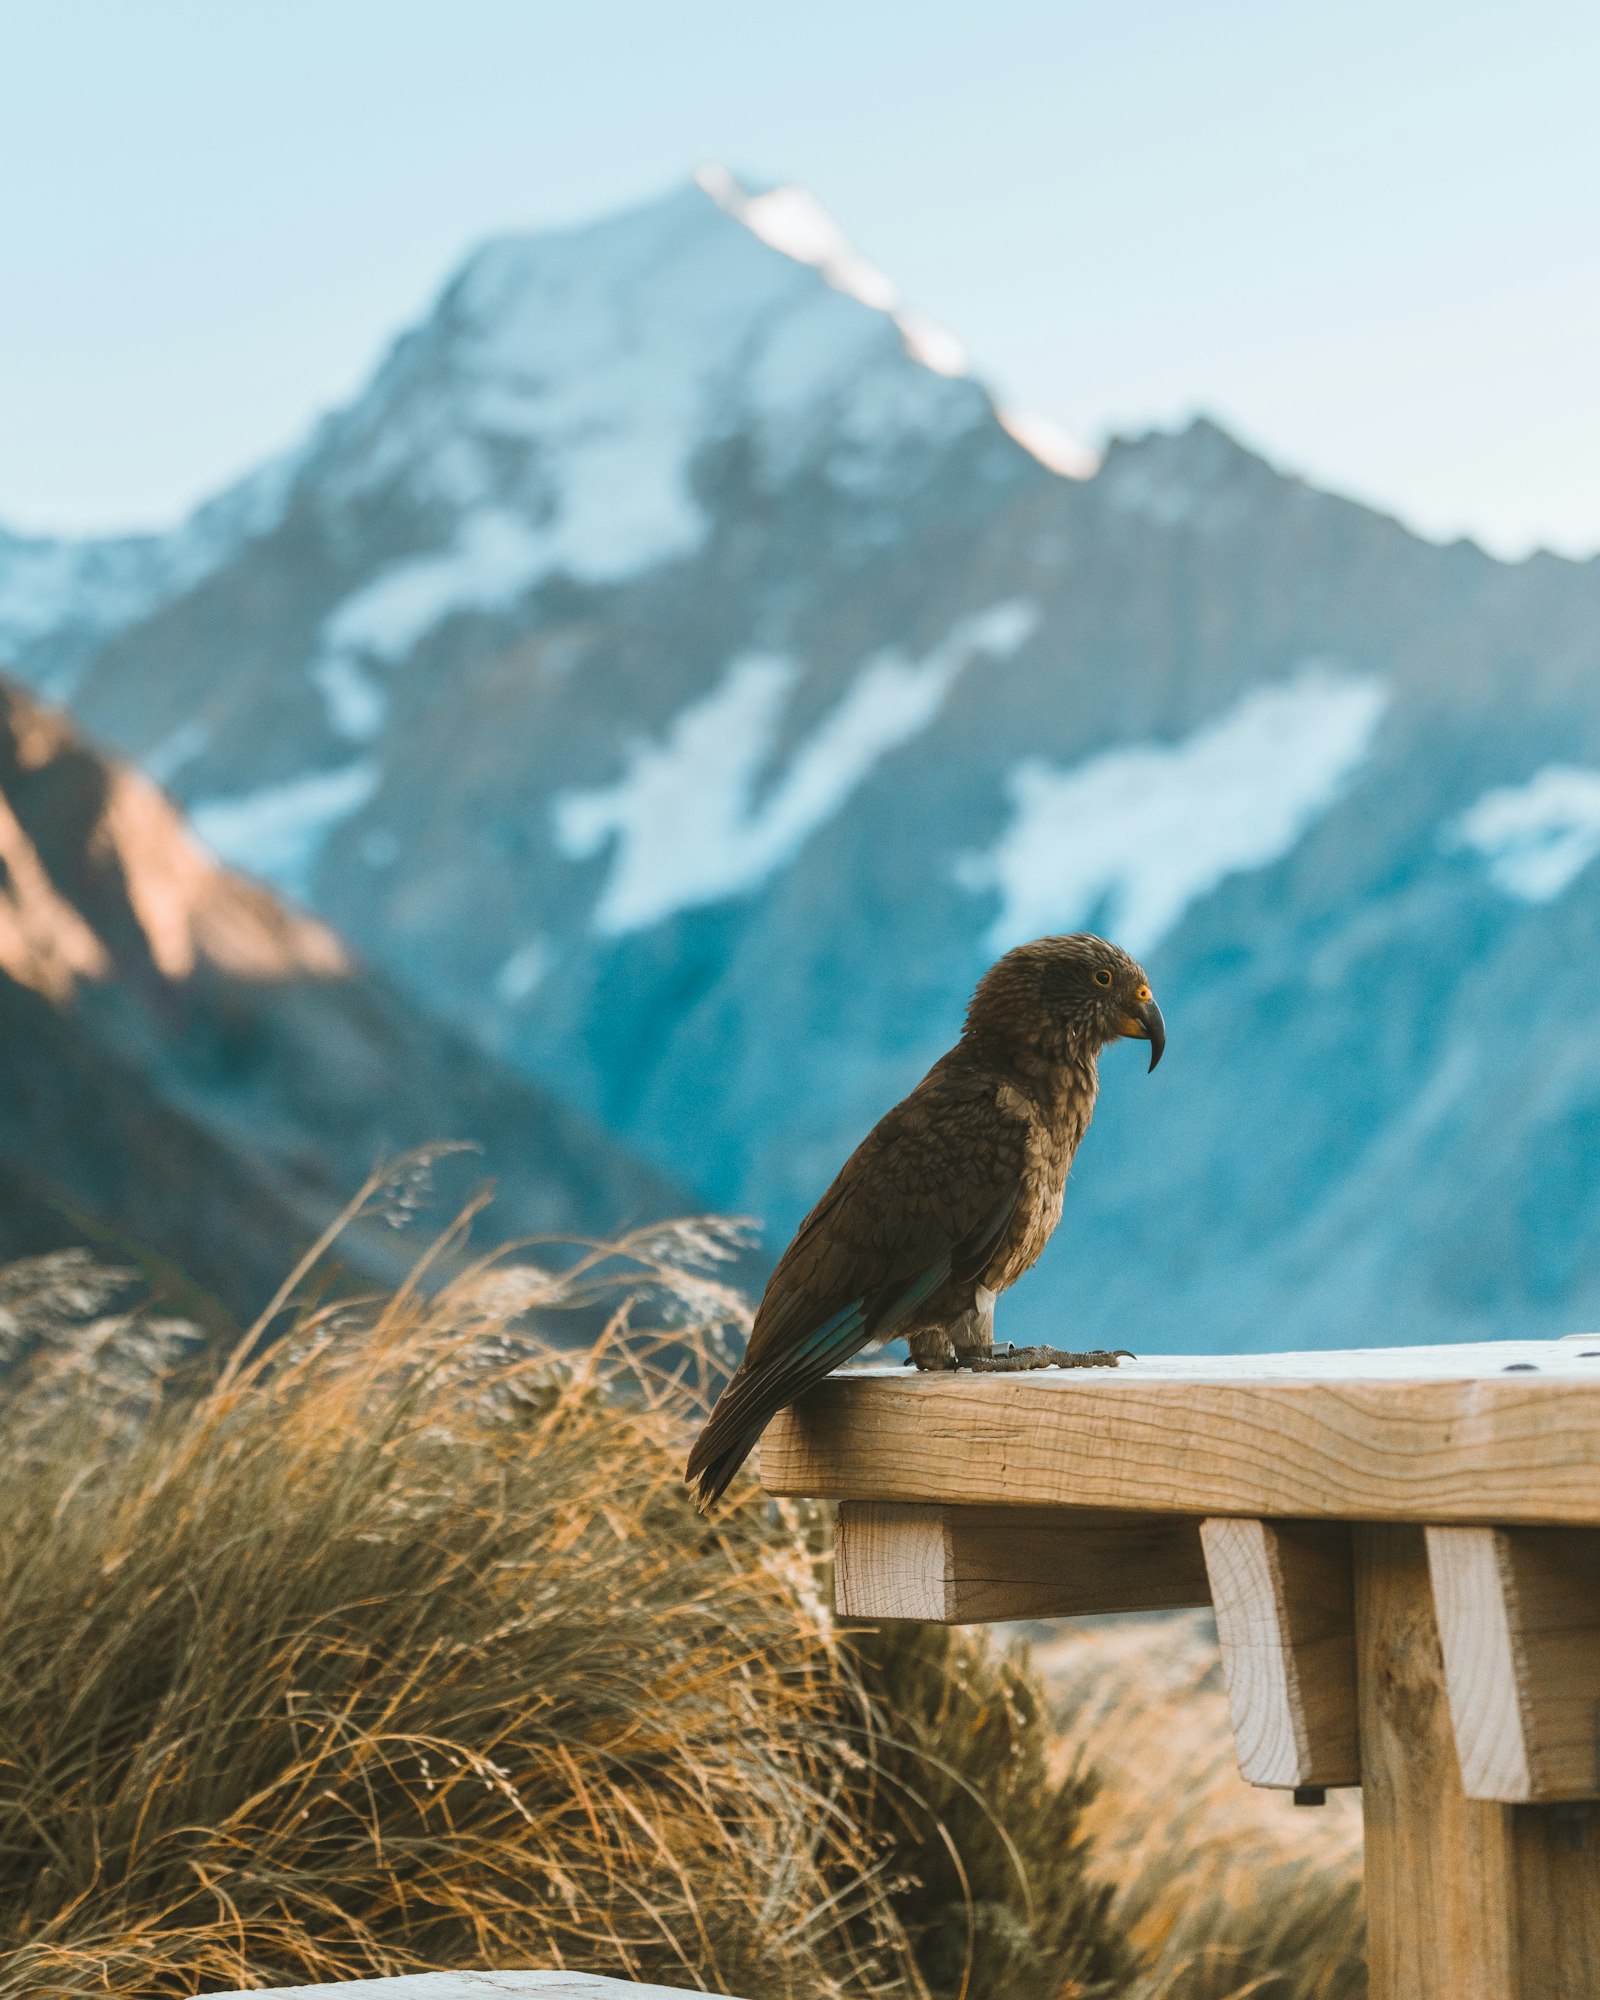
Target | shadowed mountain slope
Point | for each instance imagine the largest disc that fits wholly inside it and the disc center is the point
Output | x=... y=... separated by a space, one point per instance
x=193 y=1069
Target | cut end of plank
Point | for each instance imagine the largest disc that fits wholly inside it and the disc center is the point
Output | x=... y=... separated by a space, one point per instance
x=1285 y=1622
x=1519 y=1629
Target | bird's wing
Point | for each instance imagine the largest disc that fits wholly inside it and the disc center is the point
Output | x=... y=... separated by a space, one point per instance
x=924 y=1199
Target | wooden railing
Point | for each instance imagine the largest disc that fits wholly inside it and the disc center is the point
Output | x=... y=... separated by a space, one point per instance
x=1402 y=1547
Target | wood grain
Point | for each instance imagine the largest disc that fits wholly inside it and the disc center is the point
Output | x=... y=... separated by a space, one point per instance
x=1519 y=1624
x=1517 y=1449
x=977 y=1565
x=1558 y=1900
x=1285 y=1620
x=1439 y=1866
x=1466 y=1899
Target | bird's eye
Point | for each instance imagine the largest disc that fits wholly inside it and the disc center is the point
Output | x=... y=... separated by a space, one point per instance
x=1103 y=976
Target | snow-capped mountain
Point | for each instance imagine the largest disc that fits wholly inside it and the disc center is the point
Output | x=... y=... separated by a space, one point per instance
x=678 y=670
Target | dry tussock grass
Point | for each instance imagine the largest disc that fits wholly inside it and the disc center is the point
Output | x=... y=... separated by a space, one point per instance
x=1226 y=1891
x=396 y=1642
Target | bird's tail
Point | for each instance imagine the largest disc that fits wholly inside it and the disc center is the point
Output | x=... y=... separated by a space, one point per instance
x=741 y=1415
x=755 y=1395
x=727 y=1441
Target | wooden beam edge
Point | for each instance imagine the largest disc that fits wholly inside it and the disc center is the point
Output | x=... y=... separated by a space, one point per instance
x=1454 y=1452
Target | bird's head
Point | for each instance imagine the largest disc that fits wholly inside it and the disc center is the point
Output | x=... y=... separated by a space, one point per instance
x=1061 y=998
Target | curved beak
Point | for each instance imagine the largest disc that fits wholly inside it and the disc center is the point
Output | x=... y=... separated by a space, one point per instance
x=1146 y=1025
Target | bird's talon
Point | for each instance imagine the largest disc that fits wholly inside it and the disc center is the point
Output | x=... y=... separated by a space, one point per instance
x=1017 y=1360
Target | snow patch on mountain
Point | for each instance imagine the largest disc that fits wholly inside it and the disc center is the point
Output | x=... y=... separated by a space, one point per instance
x=523 y=971
x=683 y=822
x=1539 y=837
x=1131 y=838
x=681 y=814
x=792 y=220
x=488 y=564
x=278 y=832
x=1049 y=442
x=491 y=562
x=357 y=703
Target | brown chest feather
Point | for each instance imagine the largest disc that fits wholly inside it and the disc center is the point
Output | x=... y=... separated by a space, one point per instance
x=1053 y=1135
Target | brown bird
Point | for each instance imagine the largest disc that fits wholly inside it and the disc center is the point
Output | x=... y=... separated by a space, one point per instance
x=948 y=1199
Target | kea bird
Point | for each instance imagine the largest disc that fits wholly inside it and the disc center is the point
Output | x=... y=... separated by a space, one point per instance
x=948 y=1199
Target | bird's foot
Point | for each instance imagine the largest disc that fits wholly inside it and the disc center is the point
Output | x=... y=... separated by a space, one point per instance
x=1009 y=1360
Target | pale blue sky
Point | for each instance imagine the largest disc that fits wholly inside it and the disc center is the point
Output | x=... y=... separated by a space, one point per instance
x=1367 y=238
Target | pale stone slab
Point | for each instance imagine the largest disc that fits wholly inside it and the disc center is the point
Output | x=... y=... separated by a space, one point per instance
x=475 y=1986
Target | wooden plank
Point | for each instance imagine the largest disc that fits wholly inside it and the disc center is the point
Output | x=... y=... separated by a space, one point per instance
x=1519 y=1448
x=1519 y=1624
x=977 y=1565
x=1285 y=1620
x=1466 y=1899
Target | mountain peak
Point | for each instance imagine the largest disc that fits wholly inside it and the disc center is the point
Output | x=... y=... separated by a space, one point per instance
x=1200 y=473
x=550 y=416
x=789 y=218
x=556 y=407
x=649 y=252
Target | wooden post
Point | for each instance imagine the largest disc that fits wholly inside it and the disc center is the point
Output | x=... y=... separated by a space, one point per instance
x=1285 y=1620
x=1438 y=1864
x=1466 y=1899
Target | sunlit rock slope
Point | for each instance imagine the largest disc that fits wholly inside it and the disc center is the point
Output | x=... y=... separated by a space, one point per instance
x=188 y=1068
